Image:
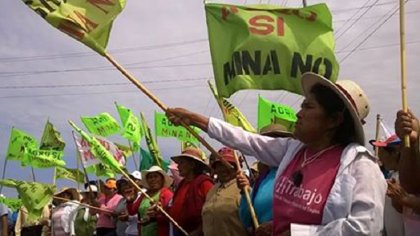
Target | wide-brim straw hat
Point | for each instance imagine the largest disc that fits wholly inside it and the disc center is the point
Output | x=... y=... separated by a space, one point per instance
x=275 y=130
x=72 y=191
x=193 y=154
x=167 y=180
x=353 y=97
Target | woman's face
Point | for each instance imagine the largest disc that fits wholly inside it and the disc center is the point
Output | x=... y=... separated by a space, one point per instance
x=312 y=123
x=223 y=172
x=185 y=167
x=154 y=180
x=389 y=157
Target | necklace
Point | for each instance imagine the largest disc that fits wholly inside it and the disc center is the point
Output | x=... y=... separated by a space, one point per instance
x=297 y=176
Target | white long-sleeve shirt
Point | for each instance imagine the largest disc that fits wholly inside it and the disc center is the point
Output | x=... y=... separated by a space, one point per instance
x=355 y=204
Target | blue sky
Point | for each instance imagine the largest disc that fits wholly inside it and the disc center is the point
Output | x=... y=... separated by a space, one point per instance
x=45 y=74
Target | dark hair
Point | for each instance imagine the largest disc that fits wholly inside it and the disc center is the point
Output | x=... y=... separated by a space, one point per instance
x=333 y=105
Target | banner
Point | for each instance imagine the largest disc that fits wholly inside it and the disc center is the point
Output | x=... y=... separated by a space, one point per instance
x=87 y=21
x=152 y=144
x=88 y=157
x=98 y=150
x=71 y=174
x=20 y=145
x=131 y=126
x=165 y=128
x=269 y=47
x=275 y=113
x=103 y=124
x=51 y=138
x=231 y=114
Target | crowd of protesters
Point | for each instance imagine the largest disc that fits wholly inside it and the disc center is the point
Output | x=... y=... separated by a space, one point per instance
x=320 y=179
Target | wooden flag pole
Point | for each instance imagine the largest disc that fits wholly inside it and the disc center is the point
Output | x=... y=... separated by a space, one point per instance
x=133 y=156
x=83 y=204
x=4 y=173
x=148 y=93
x=378 y=124
x=403 y=66
x=247 y=196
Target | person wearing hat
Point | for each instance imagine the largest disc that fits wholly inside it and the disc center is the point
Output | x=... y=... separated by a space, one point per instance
x=190 y=195
x=64 y=208
x=220 y=210
x=108 y=202
x=262 y=191
x=327 y=182
x=84 y=223
x=151 y=222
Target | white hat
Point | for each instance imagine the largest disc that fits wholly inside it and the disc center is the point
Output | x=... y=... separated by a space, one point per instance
x=168 y=180
x=136 y=174
x=92 y=187
x=351 y=94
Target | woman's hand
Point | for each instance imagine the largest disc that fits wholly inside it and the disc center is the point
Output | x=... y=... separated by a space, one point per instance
x=396 y=192
x=407 y=124
x=265 y=229
x=241 y=180
x=183 y=116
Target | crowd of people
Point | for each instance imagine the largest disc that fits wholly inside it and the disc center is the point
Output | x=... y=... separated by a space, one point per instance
x=320 y=179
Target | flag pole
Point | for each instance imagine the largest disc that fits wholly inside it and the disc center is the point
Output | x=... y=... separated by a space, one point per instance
x=403 y=66
x=83 y=204
x=248 y=198
x=148 y=93
x=78 y=168
x=83 y=167
x=132 y=155
x=378 y=124
x=4 y=173
x=304 y=3
x=33 y=174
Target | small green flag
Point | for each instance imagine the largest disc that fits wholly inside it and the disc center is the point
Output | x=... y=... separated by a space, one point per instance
x=232 y=114
x=152 y=144
x=10 y=183
x=99 y=151
x=51 y=138
x=165 y=128
x=101 y=170
x=44 y=159
x=71 y=174
x=131 y=126
x=271 y=113
x=148 y=161
x=126 y=150
x=12 y=203
x=87 y=21
x=269 y=47
x=20 y=145
x=103 y=124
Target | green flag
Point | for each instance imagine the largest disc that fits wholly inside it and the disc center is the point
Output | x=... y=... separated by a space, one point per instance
x=148 y=161
x=131 y=126
x=20 y=145
x=165 y=128
x=10 y=183
x=87 y=21
x=51 y=138
x=269 y=47
x=270 y=113
x=12 y=203
x=71 y=174
x=99 y=151
x=101 y=170
x=103 y=124
x=44 y=159
x=152 y=144
x=232 y=114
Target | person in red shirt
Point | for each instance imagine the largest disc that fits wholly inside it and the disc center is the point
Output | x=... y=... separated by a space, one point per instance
x=191 y=193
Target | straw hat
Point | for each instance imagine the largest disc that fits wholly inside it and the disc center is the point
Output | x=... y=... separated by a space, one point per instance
x=72 y=191
x=350 y=93
x=192 y=153
x=168 y=180
x=275 y=130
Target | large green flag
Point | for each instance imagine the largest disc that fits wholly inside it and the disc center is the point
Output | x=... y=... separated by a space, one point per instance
x=71 y=174
x=44 y=159
x=20 y=145
x=51 y=138
x=269 y=47
x=13 y=204
x=131 y=126
x=152 y=144
x=275 y=113
x=148 y=161
x=231 y=114
x=103 y=124
x=165 y=128
x=98 y=150
x=88 y=21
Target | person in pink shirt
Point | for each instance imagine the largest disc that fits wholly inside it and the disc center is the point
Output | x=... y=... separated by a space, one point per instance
x=106 y=224
x=327 y=182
